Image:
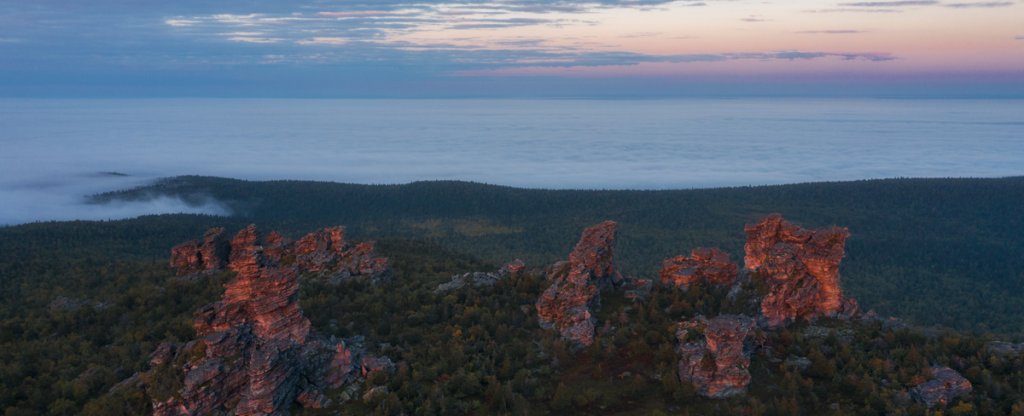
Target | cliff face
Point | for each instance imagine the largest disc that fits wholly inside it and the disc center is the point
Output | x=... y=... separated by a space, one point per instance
x=255 y=353
x=575 y=287
x=704 y=264
x=801 y=268
x=713 y=354
x=945 y=386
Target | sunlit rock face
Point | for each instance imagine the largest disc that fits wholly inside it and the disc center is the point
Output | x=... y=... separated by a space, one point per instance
x=709 y=265
x=327 y=251
x=801 y=268
x=324 y=252
x=575 y=288
x=255 y=353
x=210 y=253
x=714 y=356
x=945 y=386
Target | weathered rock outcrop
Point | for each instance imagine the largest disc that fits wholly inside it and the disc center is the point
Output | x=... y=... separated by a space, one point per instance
x=703 y=265
x=327 y=251
x=323 y=251
x=945 y=386
x=513 y=268
x=475 y=279
x=714 y=356
x=210 y=253
x=576 y=285
x=1005 y=349
x=481 y=279
x=256 y=354
x=801 y=268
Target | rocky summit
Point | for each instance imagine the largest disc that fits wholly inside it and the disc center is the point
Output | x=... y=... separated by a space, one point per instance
x=715 y=355
x=576 y=285
x=256 y=353
x=800 y=267
x=709 y=265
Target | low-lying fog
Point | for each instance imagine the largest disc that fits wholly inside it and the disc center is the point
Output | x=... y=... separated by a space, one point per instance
x=53 y=153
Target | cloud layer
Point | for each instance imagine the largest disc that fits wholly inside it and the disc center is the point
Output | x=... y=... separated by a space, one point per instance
x=238 y=48
x=649 y=144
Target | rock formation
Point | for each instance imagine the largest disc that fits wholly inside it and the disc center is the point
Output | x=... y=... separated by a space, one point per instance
x=323 y=251
x=576 y=285
x=475 y=279
x=704 y=265
x=1005 y=349
x=513 y=268
x=801 y=268
x=210 y=253
x=481 y=279
x=256 y=354
x=944 y=387
x=714 y=357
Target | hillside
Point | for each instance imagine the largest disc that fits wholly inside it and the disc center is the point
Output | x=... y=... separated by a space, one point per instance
x=944 y=252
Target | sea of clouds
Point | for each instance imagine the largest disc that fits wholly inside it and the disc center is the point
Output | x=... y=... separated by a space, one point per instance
x=57 y=152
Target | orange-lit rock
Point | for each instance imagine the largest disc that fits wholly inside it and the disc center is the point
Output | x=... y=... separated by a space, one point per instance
x=704 y=264
x=256 y=354
x=575 y=285
x=714 y=355
x=211 y=253
x=327 y=251
x=513 y=268
x=801 y=268
x=324 y=252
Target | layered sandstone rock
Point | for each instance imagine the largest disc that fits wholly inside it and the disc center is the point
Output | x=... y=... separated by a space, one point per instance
x=327 y=251
x=945 y=386
x=714 y=356
x=801 y=268
x=576 y=284
x=324 y=252
x=709 y=265
x=210 y=253
x=255 y=354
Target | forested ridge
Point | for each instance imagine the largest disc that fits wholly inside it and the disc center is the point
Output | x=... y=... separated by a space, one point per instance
x=934 y=251
x=84 y=303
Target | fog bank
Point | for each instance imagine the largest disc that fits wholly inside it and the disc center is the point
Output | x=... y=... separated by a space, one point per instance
x=53 y=148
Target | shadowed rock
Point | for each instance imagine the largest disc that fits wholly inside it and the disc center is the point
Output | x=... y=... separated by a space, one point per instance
x=210 y=253
x=713 y=354
x=945 y=386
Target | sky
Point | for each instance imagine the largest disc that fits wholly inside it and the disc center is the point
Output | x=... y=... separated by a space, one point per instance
x=511 y=48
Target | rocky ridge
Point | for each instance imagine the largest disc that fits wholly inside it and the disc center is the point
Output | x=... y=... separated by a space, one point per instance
x=256 y=353
x=324 y=252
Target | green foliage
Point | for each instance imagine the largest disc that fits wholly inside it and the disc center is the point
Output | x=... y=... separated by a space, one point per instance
x=916 y=246
x=913 y=241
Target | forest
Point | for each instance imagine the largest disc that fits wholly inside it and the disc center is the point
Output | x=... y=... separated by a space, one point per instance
x=83 y=304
